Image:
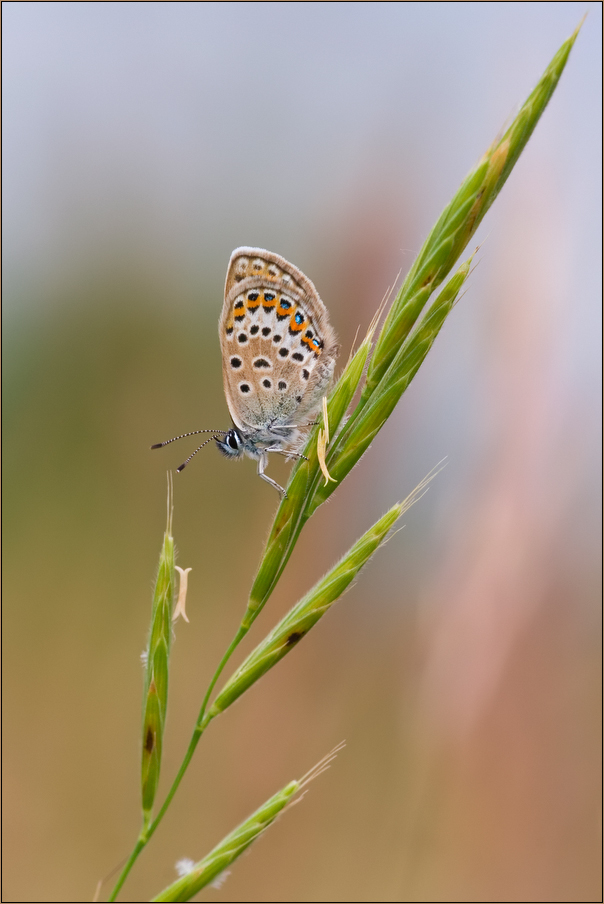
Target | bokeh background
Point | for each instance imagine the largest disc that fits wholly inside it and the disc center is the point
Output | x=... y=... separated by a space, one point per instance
x=142 y=143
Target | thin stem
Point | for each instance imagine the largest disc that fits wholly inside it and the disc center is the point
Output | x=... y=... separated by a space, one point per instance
x=129 y=864
x=200 y=726
x=241 y=632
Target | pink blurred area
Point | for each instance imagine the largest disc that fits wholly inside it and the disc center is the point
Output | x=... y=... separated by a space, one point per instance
x=142 y=143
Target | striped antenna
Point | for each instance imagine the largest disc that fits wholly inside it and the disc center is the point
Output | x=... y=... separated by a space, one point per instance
x=185 y=463
x=182 y=436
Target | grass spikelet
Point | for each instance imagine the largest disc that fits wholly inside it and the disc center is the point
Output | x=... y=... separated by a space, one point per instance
x=460 y=219
x=312 y=607
x=155 y=695
x=360 y=432
x=233 y=845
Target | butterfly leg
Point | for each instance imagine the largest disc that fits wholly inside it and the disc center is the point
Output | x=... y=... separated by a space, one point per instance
x=298 y=426
x=262 y=462
x=288 y=453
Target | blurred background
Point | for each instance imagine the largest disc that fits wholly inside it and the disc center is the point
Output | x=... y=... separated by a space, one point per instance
x=142 y=143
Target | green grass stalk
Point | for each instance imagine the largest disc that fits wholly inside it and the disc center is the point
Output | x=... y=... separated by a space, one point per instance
x=405 y=339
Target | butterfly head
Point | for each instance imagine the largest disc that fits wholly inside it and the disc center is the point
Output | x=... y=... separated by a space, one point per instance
x=232 y=444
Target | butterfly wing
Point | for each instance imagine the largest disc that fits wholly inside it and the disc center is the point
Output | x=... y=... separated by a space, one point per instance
x=278 y=347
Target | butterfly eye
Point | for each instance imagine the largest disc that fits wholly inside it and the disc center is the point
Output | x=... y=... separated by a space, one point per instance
x=232 y=440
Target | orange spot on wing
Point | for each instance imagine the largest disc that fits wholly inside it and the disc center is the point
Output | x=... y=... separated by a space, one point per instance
x=296 y=327
x=311 y=345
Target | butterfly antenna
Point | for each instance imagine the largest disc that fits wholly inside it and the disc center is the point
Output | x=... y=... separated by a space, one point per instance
x=182 y=436
x=185 y=463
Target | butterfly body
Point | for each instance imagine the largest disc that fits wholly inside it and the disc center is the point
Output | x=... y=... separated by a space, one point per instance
x=278 y=357
x=278 y=354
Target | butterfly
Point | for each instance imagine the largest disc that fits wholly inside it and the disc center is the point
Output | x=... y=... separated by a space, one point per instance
x=278 y=357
